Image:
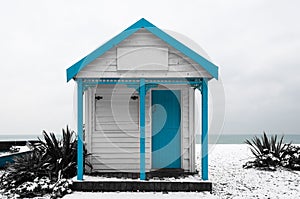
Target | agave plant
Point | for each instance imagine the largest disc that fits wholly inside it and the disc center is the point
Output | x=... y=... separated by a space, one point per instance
x=51 y=157
x=268 y=152
x=264 y=145
x=59 y=156
x=25 y=168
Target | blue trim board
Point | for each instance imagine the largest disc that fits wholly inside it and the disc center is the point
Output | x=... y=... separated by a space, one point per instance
x=207 y=65
x=204 y=140
x=77 y=67
x=135 y=82
x=142 y=94
x=142 y=23
x=150 y=83
x=79 y=129
x=147 y=80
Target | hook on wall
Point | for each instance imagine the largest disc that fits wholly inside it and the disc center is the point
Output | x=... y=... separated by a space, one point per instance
x=98 y=97
x=134 y=97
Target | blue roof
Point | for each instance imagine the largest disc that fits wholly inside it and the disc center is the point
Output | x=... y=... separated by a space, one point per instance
x=211 y=68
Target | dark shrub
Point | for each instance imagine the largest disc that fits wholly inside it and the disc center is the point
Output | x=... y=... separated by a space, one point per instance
x=292 y=158
x=51 y=157
x=59 y=157
x=25 y=168
x=269 y=152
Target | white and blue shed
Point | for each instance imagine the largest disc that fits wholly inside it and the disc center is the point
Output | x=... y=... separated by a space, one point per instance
x=136 y=97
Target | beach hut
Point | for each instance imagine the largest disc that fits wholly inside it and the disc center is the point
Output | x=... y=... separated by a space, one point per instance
x=136 y=102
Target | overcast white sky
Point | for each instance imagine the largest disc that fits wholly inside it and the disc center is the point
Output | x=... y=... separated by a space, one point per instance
x=256 y=43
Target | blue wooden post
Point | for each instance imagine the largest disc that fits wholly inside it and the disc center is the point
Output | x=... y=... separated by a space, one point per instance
x=142 y=92
x=79 y=129
x=204 y=140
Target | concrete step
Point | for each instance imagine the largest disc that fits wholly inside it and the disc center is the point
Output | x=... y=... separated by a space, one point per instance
x=141 y=186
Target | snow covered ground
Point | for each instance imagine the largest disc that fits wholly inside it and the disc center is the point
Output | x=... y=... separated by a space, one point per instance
x=229 y=179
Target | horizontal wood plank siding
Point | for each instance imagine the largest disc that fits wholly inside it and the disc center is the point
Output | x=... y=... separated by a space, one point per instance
x=116 y=111
x=179 y=65
x=115 y=139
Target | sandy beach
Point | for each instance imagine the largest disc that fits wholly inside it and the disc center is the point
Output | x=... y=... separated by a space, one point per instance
x=229 y=179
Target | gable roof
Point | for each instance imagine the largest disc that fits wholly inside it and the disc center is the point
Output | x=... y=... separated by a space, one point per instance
x=211 y=68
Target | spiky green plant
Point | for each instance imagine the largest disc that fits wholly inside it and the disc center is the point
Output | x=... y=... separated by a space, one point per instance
x=268 y=152
x=51 y=157
x=265 y=145
x=60 y=156
x=25 y=168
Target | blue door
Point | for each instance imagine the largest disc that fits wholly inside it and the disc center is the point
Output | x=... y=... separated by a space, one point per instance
x=166 y=136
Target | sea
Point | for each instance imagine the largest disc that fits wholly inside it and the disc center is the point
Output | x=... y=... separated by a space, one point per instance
x=23 y=137
x=213 y=138
x=241 y=138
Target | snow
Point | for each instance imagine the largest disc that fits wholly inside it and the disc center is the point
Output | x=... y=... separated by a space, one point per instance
x=22 y=149
x=195 y=178
x=229 y=179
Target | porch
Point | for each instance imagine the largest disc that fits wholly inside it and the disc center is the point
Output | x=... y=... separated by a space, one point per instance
x=142 y=86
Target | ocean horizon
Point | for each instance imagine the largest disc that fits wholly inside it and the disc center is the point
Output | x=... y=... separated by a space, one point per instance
x=213 y=138
x=240 y=138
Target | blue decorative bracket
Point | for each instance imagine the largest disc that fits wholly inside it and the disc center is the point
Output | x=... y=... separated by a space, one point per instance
x=149 y=86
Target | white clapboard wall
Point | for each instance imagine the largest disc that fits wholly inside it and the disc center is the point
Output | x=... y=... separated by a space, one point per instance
x=112 y=128
x=115 y=136
x=142 y=55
